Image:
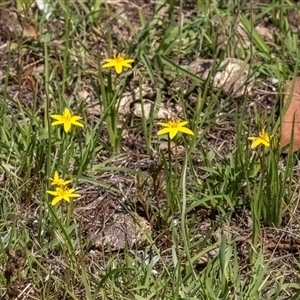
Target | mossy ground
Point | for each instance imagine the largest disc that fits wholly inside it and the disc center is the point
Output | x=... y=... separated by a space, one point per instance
x=208 y=201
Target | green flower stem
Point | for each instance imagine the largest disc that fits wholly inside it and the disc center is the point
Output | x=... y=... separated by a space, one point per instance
x=170 y=183
x=110 y=110
x=257 y=204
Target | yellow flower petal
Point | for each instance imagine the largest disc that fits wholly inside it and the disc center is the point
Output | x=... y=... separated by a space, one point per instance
x=173 y=132
x=118 y=62
x=56 y=176
x=75 y=118
x=67 y=120
x=56 y=180
x=75 y=195
x=67 y=126
x=118 y=68
x=265 y=142
x=182 y=123
x=163 y=131
x=56 y=200
x=109 y=64
x=57 y=117
x=163 y=124
x=186 y=130
x=67 y=113
x=173 y=127
x=77 y=123
x=63 y=193
x=54 y=193
x=255 y=143
x=262 y=138
x=57 y=123
x=124 y=64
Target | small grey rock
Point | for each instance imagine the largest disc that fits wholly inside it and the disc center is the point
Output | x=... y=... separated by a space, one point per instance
x=124 y=231
x=230 y=75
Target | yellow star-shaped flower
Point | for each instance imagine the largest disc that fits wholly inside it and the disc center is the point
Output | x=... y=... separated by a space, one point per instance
x=118 y=62
x=66 y=119
x=62 y=193
x=56 y=180
x=173 y=127
x=262 y=138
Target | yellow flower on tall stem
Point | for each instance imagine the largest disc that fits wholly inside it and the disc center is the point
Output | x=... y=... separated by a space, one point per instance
x=263 y=138
x=118 y=62
x=56 y=180
x=173 y=127
x=67 y=120
x=62 y=193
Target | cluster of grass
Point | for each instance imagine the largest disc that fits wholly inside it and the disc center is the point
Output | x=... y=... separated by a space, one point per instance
x=43 y=251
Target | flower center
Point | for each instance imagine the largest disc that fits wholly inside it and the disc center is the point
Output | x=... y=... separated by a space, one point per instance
x=60 y=182
x=174 y=123
x=61 y=191
x=264 y=136
x=120 y=58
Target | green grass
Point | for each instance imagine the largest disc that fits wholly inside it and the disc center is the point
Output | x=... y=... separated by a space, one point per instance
x=214 y=208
